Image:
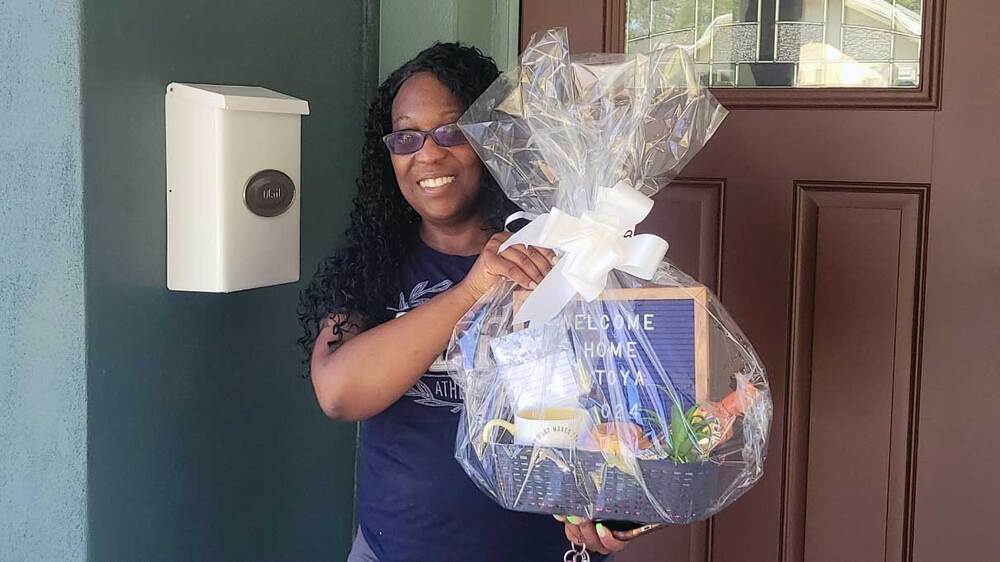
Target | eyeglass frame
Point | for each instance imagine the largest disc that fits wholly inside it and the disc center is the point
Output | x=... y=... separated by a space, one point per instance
x=424 y=134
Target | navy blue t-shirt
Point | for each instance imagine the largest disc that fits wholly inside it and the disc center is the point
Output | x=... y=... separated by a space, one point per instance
x=415 y=503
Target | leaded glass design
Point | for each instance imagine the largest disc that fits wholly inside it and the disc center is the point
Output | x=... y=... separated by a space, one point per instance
x=735 y=43
x=866 y=44
x=794 y=39
x=787 y=43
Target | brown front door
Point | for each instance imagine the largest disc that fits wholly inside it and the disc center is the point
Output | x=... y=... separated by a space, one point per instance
x=853 y=235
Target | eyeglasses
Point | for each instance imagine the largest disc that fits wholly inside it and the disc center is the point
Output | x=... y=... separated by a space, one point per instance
x=409 y=141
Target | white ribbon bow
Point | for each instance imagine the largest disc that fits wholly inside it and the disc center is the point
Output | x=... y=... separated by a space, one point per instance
x=593 y=245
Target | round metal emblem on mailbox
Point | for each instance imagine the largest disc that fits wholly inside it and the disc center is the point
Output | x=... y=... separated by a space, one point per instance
x=269 y=193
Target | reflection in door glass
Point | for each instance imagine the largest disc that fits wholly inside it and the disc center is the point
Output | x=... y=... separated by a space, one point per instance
x=787 y=43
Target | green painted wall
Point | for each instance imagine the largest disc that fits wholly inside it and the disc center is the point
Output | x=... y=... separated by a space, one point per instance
x=135 y=423
x=204 y=443
x=43 y=401
x=408 y=26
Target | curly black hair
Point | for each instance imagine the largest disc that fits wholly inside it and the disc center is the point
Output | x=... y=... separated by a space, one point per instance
x=360 y=279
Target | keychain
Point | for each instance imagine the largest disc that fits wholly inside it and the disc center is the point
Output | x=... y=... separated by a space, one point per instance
x=574 y=555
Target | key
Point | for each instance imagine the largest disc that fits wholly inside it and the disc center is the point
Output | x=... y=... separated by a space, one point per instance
x=574 y=555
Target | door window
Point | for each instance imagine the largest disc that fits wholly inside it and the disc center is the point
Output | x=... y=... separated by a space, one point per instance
x=787 y=43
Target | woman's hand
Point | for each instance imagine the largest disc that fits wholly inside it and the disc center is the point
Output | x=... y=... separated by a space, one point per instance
x=596 y=538
x=524 y=265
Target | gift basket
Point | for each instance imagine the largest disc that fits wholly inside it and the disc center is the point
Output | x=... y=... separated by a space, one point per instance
x=619 y=388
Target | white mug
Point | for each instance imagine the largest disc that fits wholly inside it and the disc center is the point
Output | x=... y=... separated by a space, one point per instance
x=543 y=427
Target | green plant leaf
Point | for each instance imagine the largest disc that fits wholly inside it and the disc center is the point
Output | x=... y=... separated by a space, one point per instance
x=678 y=431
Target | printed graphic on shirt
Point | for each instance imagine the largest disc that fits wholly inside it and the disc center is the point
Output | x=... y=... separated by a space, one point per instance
x=439 y=391
x=435 y=388
x=419 y=294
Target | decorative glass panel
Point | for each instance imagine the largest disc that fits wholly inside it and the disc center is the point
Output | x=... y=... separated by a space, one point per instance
x=683 y=37
x=703 y=15
x=799 y=41
x=906 y=73
x=735 y=43
x=907 y=16
x=668 y=16
x=637 y=24
x=906 y=47
x=866 y=44
x=787 y=43
x=724 y=74
x=808 y=10
x=876 y=15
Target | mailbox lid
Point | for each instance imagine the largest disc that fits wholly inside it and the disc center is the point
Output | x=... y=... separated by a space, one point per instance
x=239 y=98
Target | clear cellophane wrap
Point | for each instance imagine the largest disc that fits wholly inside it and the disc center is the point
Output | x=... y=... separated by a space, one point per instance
x=619 y=388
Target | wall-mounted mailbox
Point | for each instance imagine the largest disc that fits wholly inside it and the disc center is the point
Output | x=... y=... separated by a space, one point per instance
x=233 y=192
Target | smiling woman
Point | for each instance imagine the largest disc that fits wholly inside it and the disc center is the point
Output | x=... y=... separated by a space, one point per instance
x=421 y=249
x=360 y=277
x=439 y=179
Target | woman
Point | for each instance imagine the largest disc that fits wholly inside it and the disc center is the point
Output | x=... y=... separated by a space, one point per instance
x=421 y=248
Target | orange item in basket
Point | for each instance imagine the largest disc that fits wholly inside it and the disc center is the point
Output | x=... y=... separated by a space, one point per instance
x=608 y=437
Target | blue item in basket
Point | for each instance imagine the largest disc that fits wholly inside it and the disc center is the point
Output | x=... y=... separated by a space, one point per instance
x=650 y=352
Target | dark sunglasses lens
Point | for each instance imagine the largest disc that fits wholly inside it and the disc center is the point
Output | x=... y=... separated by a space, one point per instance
x=449 y=135
x=404 y=142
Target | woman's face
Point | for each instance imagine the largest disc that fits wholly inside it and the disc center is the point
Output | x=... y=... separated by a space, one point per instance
x=440 y=182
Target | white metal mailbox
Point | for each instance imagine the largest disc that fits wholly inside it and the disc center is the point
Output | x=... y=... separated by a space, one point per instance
x=233 y=193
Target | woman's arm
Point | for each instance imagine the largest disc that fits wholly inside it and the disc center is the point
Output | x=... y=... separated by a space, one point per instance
x=369 y=371
x=363 y=373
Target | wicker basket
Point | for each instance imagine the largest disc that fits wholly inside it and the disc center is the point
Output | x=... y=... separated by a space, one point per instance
x=567 y=481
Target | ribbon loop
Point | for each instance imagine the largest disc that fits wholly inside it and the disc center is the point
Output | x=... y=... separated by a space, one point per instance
x=593 y=244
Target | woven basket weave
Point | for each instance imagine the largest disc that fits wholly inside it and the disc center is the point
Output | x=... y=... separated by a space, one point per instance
x=566 y=481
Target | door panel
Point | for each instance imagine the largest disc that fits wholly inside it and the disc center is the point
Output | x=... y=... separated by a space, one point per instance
x=858 y=252
x=583 y=18
x=853 y=323
x=691 y=210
